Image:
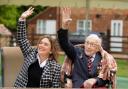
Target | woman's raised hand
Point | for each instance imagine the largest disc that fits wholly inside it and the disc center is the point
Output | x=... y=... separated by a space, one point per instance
x=66 y=17
x=27 y=13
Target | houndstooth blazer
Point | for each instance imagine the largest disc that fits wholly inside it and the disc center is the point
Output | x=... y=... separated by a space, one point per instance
x=51 y=74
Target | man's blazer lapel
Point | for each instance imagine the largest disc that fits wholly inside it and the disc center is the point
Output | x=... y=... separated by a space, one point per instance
x=95 y=64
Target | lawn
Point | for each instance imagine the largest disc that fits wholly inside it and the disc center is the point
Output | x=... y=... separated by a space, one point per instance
x=122 y=74
x=61 y=59
x=122 y=68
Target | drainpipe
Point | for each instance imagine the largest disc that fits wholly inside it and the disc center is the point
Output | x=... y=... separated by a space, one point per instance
x=87 y=7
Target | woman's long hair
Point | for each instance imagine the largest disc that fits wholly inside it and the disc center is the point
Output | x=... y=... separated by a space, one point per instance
x=54 y=49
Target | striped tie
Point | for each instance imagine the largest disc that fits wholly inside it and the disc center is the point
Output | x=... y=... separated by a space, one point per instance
x=89 y=64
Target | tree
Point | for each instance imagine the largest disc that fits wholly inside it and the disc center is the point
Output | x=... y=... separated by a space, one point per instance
x=9 y=15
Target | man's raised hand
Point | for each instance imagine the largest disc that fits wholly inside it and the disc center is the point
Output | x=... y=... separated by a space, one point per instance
x=66 y=17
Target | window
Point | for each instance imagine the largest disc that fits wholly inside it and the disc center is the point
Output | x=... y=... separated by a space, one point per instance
x=116 y=28
x=41 y=27
x=84 y=26
x=46 y=27
x=116 y=35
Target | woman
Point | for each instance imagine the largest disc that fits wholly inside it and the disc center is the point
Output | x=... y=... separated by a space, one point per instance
x=40 y=68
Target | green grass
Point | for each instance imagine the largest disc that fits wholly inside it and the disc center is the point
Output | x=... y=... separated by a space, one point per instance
x=61 y=59
x=122 y=68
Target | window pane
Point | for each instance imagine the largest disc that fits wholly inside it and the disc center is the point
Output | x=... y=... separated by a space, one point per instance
x=81 y=24
x=84 y=26
x=41 y=27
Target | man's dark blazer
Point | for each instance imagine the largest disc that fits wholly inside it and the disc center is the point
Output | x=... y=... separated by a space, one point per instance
x=77 y=55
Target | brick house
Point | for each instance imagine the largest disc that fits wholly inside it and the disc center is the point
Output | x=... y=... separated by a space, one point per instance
x=98 y=20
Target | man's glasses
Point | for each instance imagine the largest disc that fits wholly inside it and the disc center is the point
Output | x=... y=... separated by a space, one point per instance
x=91 y=44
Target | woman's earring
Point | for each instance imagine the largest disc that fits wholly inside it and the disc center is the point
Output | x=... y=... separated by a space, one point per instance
x=50 y=52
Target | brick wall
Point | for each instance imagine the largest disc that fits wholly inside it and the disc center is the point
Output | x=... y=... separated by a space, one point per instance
x=101 y=19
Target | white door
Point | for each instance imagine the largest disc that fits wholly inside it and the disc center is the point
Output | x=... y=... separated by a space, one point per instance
x=50 y=26
x=116 y=35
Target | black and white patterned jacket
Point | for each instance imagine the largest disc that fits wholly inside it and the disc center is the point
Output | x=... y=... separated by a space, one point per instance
x=51 y=74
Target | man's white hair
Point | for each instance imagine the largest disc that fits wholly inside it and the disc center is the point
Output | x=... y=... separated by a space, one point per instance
x=94 y=37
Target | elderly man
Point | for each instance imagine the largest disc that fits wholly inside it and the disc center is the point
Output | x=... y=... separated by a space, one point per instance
x=86 y=60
